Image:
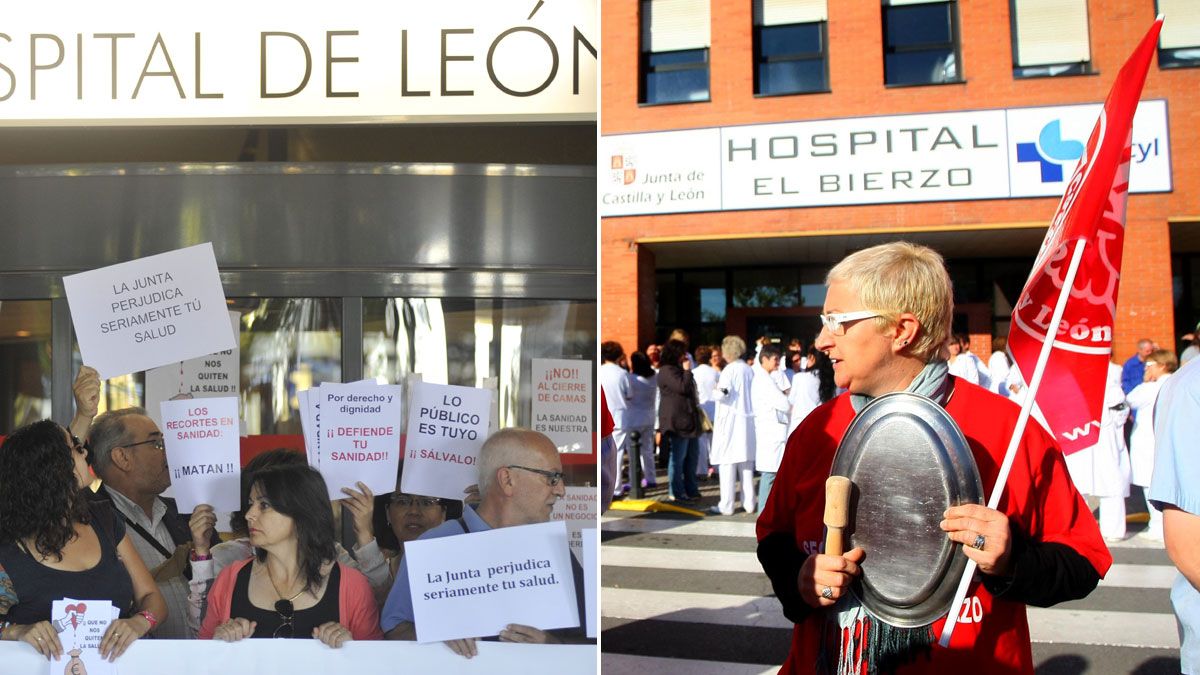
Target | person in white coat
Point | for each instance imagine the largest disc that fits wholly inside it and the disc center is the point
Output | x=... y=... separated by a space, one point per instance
x=706 y=375
x=614 y=380
x=1159 y=366
x=771 y=415
x=998 y=366
x=733 y=429
x=1103 y=470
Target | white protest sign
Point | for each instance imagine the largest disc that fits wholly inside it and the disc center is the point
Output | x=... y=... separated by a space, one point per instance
x=360 y=436
x=308 y=425
x=149 y=312
x=447 y=425
x=579 y=509
x=80 y=625
x=562 y=402
x=473 y=585
x=590 y=579
x=203 y=451
x=208 y=376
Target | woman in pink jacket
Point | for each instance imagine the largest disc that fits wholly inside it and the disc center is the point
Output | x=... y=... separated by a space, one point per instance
x=292 y=587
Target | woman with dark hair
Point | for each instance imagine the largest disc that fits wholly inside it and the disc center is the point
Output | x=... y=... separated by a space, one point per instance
x=639 y=414
x=55 y=543
x=401 y=517
x=293 y=586
x=678 y=421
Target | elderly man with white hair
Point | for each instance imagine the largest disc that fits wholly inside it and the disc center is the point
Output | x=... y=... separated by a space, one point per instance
x=520 y=479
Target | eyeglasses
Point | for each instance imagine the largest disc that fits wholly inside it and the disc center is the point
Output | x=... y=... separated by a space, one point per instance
x=552 y=477
x=408 y=501
x=836 y=323
x=154 y=442
x=287 y=612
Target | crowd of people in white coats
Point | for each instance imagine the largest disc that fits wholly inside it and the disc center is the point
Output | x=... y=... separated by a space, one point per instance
x=721 y=410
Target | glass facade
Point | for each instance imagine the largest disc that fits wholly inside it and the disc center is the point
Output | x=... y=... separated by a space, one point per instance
x=24 y=362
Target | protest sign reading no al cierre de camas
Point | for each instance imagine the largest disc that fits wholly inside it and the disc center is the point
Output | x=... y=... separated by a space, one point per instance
x=447 y=425
x=473 y=585
x=562 y=402
x=359 y=436
x=203 y=452
x=149 y=312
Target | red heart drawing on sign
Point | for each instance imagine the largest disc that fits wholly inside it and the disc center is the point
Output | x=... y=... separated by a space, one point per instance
x=76 y=611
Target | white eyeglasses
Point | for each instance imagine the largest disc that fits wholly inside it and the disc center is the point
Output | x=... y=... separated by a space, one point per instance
x=836 y=323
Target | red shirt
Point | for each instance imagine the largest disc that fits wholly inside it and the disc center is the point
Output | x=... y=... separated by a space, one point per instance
x=1040 y=499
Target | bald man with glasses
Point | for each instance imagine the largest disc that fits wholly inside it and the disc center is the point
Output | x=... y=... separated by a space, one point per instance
x=520 y=479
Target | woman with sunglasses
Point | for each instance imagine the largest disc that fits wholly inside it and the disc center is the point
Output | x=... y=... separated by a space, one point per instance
x=886 y=315
x=292 y=587
x=55 y=543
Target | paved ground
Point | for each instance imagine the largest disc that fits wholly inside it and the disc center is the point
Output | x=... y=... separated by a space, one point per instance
x=685 y=595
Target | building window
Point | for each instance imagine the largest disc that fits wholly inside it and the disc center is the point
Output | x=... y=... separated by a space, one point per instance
x=920 y=42
x=1050 y=37
x=1179 y=42
x=790 y=47
x=675 y=40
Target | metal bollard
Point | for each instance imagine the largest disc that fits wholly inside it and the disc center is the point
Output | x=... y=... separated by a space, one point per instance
x=635 y=464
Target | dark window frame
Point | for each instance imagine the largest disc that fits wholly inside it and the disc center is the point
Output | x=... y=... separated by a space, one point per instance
x=646 y=69
x=1068 y=69
x=821 y=55
x=954 y=45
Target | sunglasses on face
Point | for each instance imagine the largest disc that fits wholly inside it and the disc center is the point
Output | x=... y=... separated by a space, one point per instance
x=287 y=612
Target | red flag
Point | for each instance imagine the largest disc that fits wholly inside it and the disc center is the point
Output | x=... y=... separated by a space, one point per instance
x=1092 y=209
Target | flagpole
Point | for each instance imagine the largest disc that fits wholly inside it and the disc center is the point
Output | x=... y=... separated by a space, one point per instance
x=1010 y=454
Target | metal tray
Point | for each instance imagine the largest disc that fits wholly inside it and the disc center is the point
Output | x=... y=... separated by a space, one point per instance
x=909 y=462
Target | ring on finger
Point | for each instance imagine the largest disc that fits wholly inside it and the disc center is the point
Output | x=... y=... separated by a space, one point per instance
x=827 y=593
x=979 y=542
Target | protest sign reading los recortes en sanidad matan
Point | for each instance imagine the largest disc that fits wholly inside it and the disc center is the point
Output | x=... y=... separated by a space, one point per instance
x=562 y=402
x=447 y=425
x=203 y=452
x=473 y=585
x=359 y=436
x=149 y=312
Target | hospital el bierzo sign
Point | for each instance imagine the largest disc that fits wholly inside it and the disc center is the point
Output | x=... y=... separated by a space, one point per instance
x=982 y=154
x=295 y=62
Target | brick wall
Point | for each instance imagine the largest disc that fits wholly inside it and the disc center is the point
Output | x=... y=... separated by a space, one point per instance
x=856 y=79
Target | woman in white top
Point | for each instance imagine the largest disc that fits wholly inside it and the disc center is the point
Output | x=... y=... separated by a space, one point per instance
x=999 y=365
x=1159 y=366
x=639 y=415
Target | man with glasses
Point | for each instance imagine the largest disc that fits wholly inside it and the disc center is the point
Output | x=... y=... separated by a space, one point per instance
x=129 y=457
x=520 y=479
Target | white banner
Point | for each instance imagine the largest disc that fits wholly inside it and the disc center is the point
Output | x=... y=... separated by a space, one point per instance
x=149 y=312
x=291 y=657
x=579 y=509
x=211 y=376
x=273 y=61
x=360 y=436
x=203 y=452
x=447 y=425
x=980 y=154
x=562 y=402
x=473 y=585
x=591 y=581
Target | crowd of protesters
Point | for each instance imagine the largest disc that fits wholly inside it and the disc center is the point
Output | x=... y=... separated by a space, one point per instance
x=86 y=519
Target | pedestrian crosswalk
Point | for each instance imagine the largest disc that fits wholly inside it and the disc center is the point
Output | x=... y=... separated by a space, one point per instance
x=687 y=595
